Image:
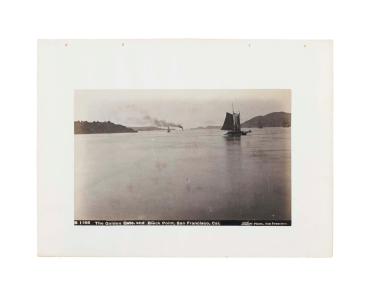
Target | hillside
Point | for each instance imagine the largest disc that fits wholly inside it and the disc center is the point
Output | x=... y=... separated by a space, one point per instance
x=275 y=119
x=206 y=127
x=96 y=127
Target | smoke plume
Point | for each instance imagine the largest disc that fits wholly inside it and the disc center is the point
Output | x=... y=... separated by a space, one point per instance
x=162 y=123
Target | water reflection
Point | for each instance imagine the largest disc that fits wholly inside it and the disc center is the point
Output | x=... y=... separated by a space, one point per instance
x=232 y=140
x=233 y=175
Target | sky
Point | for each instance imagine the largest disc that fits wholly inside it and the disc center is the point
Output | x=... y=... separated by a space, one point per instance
x=189 y=108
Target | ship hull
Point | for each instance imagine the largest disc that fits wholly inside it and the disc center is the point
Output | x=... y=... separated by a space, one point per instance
x=235 y=134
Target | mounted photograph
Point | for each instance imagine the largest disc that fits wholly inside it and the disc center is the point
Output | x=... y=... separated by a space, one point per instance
x=185 y=148
x=182 y=157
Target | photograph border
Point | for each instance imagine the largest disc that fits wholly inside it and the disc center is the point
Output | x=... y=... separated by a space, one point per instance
x=304 y=66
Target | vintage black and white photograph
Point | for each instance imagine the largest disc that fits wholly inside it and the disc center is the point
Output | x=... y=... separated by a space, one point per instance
x=183 y=157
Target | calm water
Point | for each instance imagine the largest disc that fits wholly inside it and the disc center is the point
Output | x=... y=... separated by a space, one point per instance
x=195 y=174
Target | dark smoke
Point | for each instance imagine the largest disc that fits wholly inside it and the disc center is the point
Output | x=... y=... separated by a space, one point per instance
x=162 y=123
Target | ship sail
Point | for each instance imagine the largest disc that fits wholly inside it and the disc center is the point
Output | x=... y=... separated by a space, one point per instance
x=228 y=123
x=236 y=122
x=233 y=126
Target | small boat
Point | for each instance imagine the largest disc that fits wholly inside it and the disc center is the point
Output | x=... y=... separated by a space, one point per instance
x=168 y=130
x=232 y=125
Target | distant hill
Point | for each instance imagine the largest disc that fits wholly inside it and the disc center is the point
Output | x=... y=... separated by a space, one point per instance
x=147 y=128
x=96 y=127
x=275 y=119
x=207 y=127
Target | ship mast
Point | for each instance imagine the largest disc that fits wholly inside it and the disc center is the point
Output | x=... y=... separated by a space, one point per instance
x=234 y=121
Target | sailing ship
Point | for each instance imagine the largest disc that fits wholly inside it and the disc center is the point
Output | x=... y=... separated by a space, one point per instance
x=168 y=130
x=232 y=125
